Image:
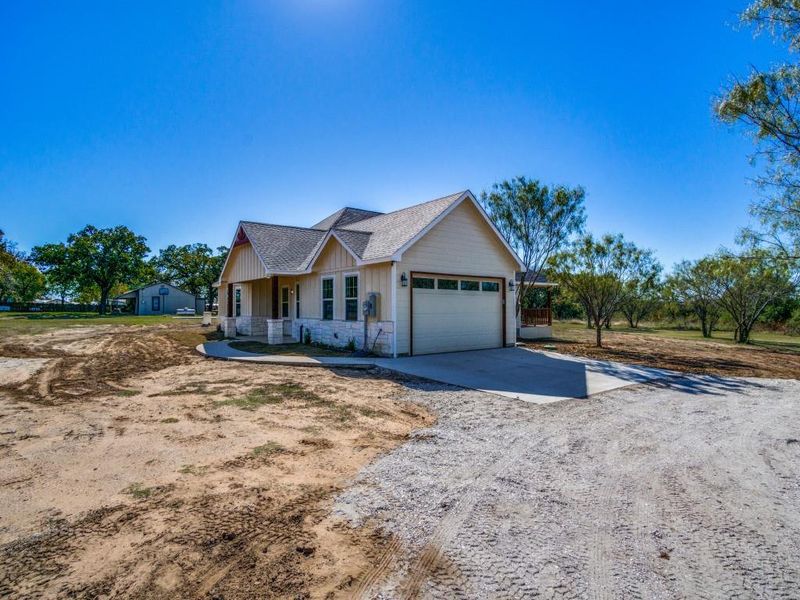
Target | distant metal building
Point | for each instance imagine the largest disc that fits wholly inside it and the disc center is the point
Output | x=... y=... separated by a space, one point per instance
x=160 y=299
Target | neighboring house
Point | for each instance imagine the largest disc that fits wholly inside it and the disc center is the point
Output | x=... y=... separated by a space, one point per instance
x=441 y=274
x=160 y=299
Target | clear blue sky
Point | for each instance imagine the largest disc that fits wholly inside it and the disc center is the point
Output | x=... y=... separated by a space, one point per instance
x=180 y=118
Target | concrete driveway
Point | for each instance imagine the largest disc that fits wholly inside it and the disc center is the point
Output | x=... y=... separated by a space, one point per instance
x=524 y=374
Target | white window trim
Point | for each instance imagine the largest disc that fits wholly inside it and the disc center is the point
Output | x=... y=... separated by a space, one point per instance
x=288 y=302
x=297 y=300
x=357 y=275
x=322 y=299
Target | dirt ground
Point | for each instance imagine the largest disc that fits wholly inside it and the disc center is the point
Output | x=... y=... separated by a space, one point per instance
x=688 y=356
x=133 y=467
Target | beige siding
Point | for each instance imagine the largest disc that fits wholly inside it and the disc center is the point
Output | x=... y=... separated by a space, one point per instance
x=461 y=244
x=337 y=262
x=334 y=261
x=333 y=258
x=243 y=265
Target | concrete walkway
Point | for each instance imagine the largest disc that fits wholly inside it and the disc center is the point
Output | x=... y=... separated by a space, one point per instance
x=222 y=351
x=519 y=373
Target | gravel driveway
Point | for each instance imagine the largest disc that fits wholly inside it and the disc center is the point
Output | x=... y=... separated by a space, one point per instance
x=686 y=489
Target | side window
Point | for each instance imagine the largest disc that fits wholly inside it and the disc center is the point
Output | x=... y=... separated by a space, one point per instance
x=285 y=302
x=351 y=297
x=327 y=298
x=297 y=301
x=237 y=302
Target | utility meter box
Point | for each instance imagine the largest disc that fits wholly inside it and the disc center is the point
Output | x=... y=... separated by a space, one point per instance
x=370 y=305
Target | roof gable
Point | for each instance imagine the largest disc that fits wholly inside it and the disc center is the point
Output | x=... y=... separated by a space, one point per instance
x=380 y=237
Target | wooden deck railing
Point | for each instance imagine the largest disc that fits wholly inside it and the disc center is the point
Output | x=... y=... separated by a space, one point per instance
x=537 y=316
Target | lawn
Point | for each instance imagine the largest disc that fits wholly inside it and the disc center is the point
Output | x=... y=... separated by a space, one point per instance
x=31 y=323
x=766 y=339
x=770 y=355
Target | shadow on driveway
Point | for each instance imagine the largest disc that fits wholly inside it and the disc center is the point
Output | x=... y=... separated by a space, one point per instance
x=542 y=377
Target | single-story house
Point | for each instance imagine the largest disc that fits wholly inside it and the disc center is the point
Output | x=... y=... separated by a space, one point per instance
x=160 y=299
x=439 y=274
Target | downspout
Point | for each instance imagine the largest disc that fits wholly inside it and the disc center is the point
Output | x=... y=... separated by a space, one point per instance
x=394 y=309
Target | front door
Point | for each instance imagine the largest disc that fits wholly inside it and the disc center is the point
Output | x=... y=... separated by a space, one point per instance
x=285 y=304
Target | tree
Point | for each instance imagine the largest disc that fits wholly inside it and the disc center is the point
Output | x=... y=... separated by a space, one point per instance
x=694 y=286
x=103 y=258
x=643 y=290
x=28 y=283
x=536 y=220
x=747 y=283
x=193 y=267
x=596 y=272
x=768 y=105
x=62 y=277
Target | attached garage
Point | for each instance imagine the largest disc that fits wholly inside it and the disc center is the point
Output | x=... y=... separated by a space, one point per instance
x=450 y=313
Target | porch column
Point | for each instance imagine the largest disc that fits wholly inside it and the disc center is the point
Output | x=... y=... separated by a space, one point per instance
x=275 y=297
x=228 y=323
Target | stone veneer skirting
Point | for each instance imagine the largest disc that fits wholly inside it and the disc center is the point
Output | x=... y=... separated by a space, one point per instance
x=337 y=333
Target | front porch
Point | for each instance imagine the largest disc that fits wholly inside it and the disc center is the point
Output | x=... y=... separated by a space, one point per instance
x=259 y=310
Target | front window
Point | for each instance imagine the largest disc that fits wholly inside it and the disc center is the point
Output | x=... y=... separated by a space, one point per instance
x=237 y=303
x=285 y=303
x=327 y=298
x=351 y=297
x=297 y=301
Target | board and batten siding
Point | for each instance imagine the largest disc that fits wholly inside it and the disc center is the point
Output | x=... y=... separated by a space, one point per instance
x=463 y=244
x=245 y=270
x=335 y=261
x=243 y=265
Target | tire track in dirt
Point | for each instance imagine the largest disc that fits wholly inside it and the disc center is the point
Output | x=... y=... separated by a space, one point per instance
x=431 y=554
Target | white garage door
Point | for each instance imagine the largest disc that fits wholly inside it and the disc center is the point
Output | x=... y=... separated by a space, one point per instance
x=452 y=313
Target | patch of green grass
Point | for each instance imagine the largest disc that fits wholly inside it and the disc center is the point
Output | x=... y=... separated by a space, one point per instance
x=138 y=491
x=32 y=323
x=170 y=420
x=187 y=389
x=127 y=393
x=268 y=449
x=767 y=339
x=273 y=393
x=193 y=470
x=371 y=412
x=287 y=349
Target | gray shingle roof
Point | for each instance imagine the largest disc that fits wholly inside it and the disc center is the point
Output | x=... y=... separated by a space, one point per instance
x=283 y=248
x=369 y=235
x=344 y=216
x=391 y=231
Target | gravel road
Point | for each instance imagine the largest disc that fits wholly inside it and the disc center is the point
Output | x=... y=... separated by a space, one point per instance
x=684 y=489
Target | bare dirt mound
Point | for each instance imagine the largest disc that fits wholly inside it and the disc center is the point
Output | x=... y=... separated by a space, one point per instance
x=129 y=466
x=87 y=361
